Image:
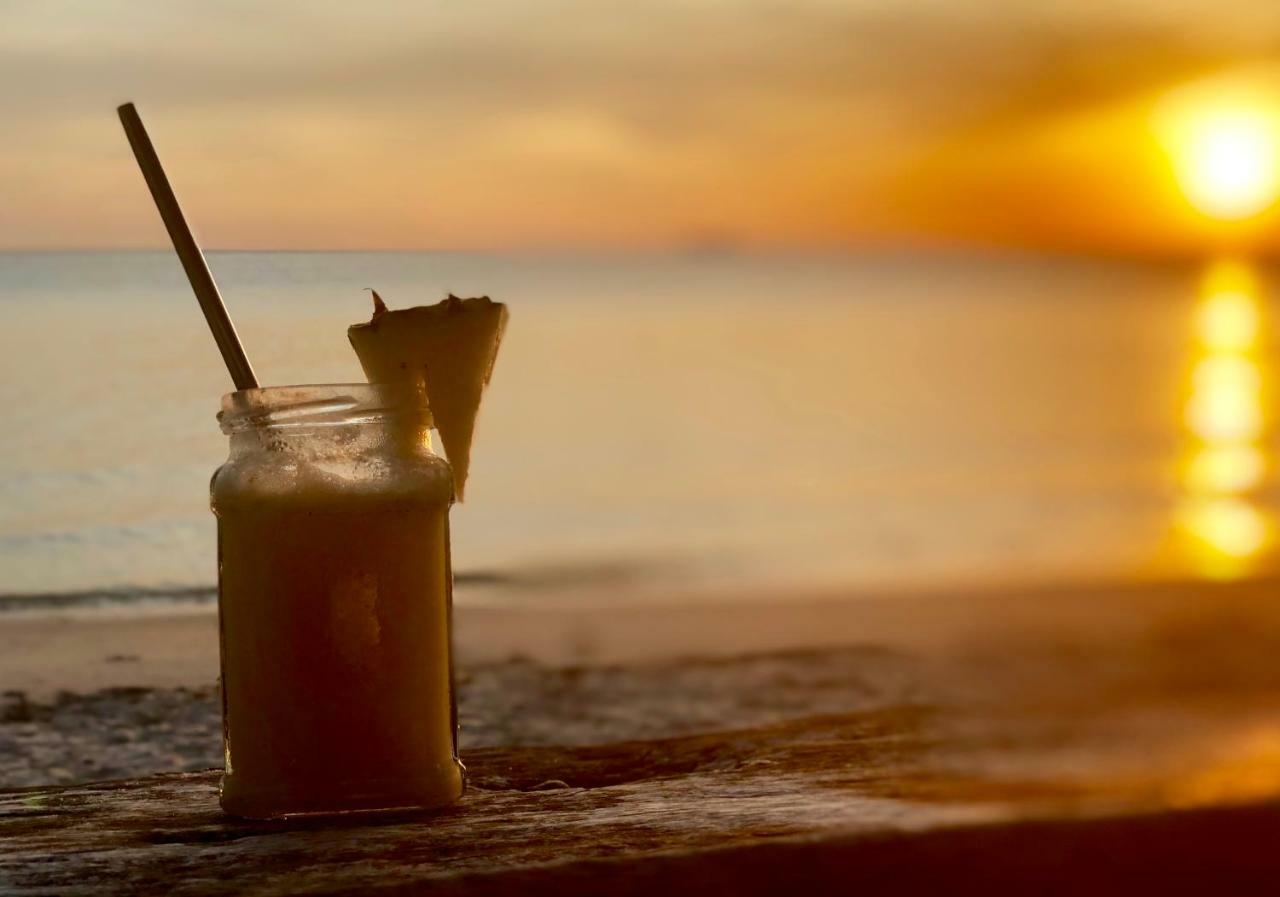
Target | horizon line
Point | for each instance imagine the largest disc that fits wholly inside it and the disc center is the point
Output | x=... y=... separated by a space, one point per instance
x=727 y=250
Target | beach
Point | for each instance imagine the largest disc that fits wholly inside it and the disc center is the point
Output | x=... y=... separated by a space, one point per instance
x=93 y=696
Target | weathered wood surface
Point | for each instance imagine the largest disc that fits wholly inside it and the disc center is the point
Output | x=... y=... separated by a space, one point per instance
x=756 y=830
x=1092 y=761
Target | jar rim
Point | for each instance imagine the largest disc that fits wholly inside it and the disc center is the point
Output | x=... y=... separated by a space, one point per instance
x=316 y=405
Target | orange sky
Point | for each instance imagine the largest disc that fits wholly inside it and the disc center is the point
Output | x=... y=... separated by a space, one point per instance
x=596 y=123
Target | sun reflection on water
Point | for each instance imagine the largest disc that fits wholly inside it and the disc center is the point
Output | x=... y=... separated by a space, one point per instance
x=1225 y=420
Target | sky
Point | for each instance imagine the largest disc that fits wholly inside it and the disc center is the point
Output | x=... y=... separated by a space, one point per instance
x=593 y=123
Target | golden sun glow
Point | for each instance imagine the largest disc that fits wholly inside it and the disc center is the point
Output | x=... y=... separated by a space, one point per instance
x=1225 y=153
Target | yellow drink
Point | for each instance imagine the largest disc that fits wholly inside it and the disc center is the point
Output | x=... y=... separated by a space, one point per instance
x=334 y=603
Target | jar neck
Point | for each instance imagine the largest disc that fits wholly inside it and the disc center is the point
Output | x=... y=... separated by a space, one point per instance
x=390 y=436
x=328 y=420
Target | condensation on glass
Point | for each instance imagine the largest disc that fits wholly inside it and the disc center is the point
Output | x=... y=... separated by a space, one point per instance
x=334 y=604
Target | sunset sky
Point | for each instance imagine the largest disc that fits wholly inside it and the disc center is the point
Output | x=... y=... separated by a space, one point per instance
x=592 y=123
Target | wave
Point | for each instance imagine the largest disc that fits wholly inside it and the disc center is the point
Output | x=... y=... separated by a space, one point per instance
x=127 y=596
x=533 y=578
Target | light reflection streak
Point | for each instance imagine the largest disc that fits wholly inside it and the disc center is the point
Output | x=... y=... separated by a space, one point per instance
x=1246 y=768
x=1225 y=421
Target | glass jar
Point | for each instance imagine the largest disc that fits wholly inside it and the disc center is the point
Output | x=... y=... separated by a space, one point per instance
x=334 y=604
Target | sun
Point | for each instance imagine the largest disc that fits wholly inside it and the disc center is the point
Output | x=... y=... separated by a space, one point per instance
x=1226 y=156
x=1228 y=167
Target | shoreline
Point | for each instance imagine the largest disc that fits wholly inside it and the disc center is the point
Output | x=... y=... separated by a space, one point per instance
x=45 y=654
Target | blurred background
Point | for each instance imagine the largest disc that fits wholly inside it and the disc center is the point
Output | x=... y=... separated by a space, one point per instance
x=848 y=293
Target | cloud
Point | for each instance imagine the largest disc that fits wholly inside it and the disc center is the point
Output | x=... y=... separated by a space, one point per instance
x=810 y=105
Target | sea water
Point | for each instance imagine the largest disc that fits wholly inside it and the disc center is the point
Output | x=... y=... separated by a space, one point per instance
x=731 y=421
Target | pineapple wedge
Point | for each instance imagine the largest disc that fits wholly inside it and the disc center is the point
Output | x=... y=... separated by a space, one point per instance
x=448 y=349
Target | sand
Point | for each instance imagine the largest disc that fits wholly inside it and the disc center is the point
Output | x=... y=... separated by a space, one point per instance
x=91 y=696
x=81 y=651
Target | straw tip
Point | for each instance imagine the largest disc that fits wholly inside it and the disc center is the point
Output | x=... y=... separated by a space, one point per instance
x=126 y=107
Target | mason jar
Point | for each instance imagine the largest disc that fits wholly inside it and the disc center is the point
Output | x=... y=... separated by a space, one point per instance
x=334 y=604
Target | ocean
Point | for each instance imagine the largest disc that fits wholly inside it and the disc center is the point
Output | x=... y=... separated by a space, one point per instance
x=712 y=420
